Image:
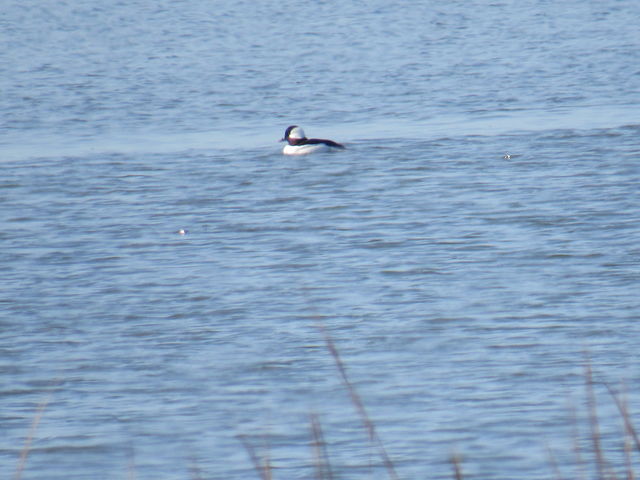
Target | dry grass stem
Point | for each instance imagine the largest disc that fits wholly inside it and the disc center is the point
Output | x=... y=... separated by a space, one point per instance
x=359 y=405
x=323 y=467
x=554 y=464
x=627 y=458
x=32 y=431
x=630 y=434
x=194 y=469
x=576 y=445
x=457 y=466
x=131 y=467
x=624 y=412
x=593 y=422
x=263 y=468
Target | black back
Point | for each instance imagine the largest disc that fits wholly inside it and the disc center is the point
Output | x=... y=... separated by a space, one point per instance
x=308 y=141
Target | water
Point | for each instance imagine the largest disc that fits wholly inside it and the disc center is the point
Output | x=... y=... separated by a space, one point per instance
x=461 y=288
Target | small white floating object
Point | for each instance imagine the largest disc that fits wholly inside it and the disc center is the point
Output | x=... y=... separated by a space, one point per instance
x=182 y=231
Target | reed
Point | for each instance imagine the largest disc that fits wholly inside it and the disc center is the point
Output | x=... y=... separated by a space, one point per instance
x=131 y=463
x=24 y=453
x=322 y=464
x=600 y=469
x=456 y=463
x=359 y=405
x=594 y=423
x=261 y=465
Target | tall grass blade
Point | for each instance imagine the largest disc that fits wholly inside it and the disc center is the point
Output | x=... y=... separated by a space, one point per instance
x=323 y=467
x=581 y=465
x=131 y=464
x=194 y=469
x=625 y=416
x=593 y=422
x=263 y=470
x=32 y=431
x=359 y=405
x=554 y=464
x=457 y=467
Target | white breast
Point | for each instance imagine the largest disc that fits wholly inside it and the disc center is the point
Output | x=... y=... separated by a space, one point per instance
x=304 y=149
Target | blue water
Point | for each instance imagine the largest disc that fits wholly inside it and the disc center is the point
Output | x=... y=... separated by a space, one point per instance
x=479 y=237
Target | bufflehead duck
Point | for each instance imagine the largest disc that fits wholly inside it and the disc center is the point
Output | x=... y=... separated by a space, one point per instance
x=299 y=144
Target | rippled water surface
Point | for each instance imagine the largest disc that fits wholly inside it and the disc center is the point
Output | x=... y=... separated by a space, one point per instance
x=480 y=233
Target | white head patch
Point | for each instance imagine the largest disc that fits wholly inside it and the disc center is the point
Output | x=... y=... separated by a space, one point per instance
x=296 y=133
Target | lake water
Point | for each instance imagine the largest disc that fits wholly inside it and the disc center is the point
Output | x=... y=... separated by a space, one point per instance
x=461 y=286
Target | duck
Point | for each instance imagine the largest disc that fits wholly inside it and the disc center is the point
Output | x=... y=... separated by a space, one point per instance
x=299 y=144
